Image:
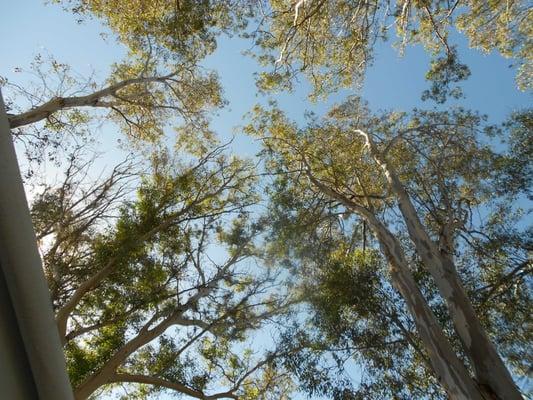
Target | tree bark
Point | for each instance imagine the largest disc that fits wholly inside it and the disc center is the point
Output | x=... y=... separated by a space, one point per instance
x=106 y=373
x=92 y=100
x=64 y=312
x=489 y=368
x=447 y=367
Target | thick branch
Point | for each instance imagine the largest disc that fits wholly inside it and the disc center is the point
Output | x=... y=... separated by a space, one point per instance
x=92 y=100
x=148 y=333
x=64 y=312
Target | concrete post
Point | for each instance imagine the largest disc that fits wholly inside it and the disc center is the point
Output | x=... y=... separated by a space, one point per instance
x=31 y=322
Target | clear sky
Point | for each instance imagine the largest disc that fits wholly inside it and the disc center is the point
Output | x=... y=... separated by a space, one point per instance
x=29 y=27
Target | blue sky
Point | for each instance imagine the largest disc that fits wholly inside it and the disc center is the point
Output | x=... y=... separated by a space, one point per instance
x=29 y=27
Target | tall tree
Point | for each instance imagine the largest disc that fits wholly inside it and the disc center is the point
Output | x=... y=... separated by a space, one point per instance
x=127 y=271
x=414 y=182
x=159 y=84
x=141 y=97
x=155 y=289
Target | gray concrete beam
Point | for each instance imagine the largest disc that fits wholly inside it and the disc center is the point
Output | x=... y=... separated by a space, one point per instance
x=34 y=324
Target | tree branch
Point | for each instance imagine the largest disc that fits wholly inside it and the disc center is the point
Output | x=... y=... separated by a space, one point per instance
x=92 y=100
x=179 y=387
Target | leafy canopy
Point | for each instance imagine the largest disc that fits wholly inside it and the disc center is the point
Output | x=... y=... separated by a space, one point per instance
x=463 y=189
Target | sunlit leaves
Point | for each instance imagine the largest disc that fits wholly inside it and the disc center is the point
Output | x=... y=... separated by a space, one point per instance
x=454 y=178
x=332 y=42
x=504 y=26
x=175 y=248
x=176 y=31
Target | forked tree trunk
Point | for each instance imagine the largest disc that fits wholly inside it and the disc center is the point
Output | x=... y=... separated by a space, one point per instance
x=490 y=370
x=447 y=367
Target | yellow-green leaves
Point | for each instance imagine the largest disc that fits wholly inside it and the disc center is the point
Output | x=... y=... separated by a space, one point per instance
x=153 y=101
x=505 y=26
x=332 y=42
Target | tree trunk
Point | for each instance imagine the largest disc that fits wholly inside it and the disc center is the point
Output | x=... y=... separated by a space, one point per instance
x=489 y=368
x=447 y=367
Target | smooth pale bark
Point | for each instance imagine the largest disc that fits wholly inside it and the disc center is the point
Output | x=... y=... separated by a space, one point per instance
x=490 y=370
x=106 y=373
x=449 y=370
x=447 y=367
x=92 y=100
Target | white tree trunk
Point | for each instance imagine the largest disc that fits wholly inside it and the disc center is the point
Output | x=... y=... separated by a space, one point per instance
x=491 y=372
x=448 y=368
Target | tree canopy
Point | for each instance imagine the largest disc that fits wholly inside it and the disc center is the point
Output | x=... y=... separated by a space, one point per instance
x=334 y=213
x=332 y=42
x=391 y=245
x=138 y=294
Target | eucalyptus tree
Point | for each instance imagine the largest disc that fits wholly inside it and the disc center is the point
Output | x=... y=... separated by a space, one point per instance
x=440 y=206
x=160 y=287
x=139 y=297
x=159 y=84
x=332 y=42
x=156 y=288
